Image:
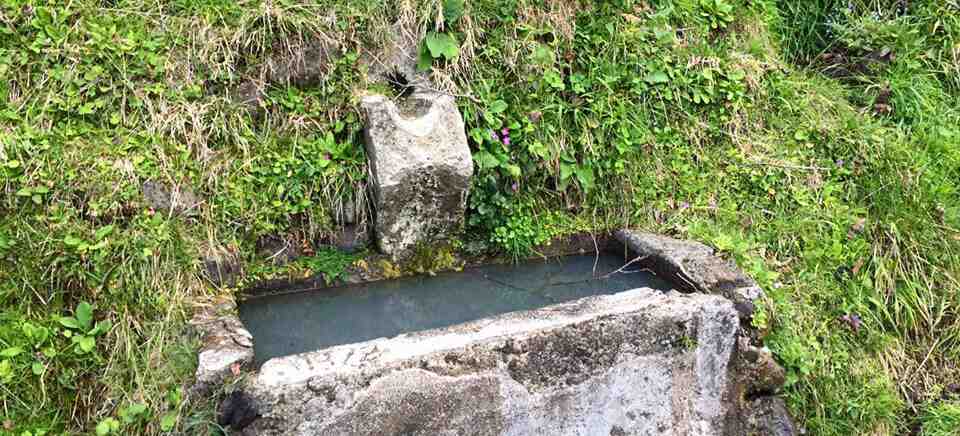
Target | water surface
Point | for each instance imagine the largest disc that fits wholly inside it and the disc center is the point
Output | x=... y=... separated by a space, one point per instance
x=311 y=320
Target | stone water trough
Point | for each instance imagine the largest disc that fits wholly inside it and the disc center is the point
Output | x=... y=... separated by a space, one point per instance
x=653 y=338
x=678 y=359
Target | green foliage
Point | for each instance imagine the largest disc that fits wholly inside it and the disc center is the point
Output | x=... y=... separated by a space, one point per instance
x=718 y=13
x=831 y=178
x=942 y=419
x=443 y=45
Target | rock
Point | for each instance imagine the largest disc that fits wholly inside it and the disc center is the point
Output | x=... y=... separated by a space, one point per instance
x=301 y=62
x=768 y=416
x=279 y=250
x=177 y=200
x=221 y=267
x=759 y=371
x=421 y=167
x=227 y=347
x=634 y=363
x=351 y=238
x=237 y=411
x=694 y=267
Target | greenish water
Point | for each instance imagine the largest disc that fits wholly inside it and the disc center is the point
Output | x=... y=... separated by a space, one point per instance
x=306 y=321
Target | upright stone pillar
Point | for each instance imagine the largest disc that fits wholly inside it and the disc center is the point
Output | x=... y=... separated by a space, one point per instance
x=421 y=167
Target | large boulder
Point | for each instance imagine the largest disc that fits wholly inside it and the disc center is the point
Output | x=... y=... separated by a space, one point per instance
x=421 y=167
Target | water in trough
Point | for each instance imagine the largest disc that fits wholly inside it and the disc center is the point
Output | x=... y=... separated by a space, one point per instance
x=298 y=322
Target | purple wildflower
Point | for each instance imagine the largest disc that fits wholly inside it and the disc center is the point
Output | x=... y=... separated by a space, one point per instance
x=840 y=162
x=515 y=186
x=493 y=134
x=505 y=131
x=506 y=140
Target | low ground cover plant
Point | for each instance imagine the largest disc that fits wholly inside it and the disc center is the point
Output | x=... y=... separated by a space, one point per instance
x=814 y=142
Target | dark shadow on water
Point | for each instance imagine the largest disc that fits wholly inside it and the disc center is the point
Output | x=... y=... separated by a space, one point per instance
x=307 y=321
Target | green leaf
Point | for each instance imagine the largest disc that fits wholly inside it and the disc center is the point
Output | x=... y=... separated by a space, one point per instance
x=514 y=170
x=85 y=315
x=452 y=11
x=657 y=77
x=486 y=160
x=72 y=241
x=103 y=232
x=424 y=61
x=442 y=45
x=168 y=421
x=102 y=327
x=14 y=164
x=133 y=412
x=86 y=343
x=69 y=322
x=37 y=368
x=11 y=352
x=107 y=426
x=497 y=106
x=586 y=178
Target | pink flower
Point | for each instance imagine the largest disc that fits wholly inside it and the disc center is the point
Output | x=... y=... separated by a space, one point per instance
x=506 y=140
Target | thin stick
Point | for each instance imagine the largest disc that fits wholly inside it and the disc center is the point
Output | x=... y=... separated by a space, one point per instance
x=635 y=260
x=596 y=258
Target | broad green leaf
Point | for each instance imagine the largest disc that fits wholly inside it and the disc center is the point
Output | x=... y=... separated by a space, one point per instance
x=37 y=368
x=486 y=160
x=103 y=232
x=69 y=322
x=442 y=45
x=86 y=343
x=657 y=77
x=11 y=352
x=452 y=11
x=102 y=327
x=85 y=315
x=497 y=106
x=514 y=170
x=566 y=170
x=107 y=426
x=424 y=61
x=586 y=178
x=168 y=421
x=72 y=241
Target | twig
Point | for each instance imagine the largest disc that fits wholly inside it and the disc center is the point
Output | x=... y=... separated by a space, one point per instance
x=635 y=260
x=596 y=251
x=785 y=166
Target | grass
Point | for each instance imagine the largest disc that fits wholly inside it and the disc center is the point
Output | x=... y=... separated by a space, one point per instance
x=814 y=142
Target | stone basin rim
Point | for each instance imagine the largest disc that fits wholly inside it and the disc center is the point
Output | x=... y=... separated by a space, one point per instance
x=346 y=358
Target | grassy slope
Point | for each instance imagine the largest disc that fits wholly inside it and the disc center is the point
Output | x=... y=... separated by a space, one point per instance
x=729 y=126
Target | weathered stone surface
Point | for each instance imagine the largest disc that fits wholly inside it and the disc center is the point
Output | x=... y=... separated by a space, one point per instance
x=694 y=267
x=639 y=362
x=768 y=416
x=227 y=346
x=176 y=200
x=421 y=167
x=759 y=372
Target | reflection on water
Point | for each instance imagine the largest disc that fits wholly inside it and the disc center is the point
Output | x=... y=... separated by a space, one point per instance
x=306 y=321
